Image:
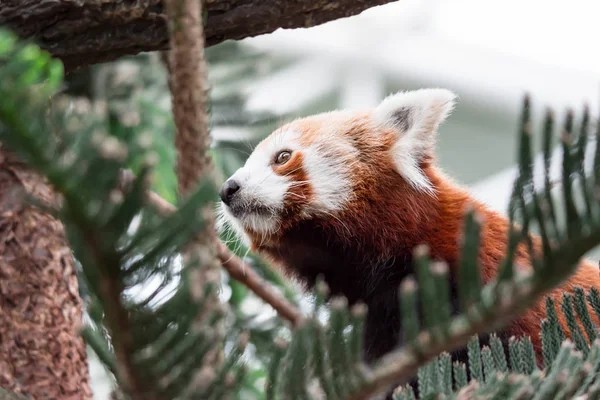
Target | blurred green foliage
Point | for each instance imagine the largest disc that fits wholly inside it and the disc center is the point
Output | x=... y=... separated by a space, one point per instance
x=134 y=93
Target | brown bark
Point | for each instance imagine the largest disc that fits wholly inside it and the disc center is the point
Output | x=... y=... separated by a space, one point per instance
x=41 y=352
x=93 y=31
x=189 y=91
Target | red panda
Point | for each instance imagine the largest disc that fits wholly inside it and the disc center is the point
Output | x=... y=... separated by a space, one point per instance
x=349 y=194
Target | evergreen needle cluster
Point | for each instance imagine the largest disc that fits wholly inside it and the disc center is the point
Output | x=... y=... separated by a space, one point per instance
x=157 y=344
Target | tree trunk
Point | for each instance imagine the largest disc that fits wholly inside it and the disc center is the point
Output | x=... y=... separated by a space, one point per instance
x=93 y=31
x=41 y=352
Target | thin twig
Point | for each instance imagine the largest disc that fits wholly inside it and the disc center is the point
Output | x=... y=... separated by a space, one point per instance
x=236 y=268
x=239 y=270
x=242 y=273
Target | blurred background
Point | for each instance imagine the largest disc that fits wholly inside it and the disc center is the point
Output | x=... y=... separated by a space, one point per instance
x=489 y=53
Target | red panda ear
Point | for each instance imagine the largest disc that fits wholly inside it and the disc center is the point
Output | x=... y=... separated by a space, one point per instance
x=415 y=116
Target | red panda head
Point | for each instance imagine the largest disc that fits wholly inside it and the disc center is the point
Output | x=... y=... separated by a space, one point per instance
x=321 y=166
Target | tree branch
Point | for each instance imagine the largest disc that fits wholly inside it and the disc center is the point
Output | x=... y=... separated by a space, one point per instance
x=81 y=33
x=240 y=271
x=43 y=355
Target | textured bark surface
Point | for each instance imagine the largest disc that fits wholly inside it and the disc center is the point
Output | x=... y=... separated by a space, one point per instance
x=41 y=352
x=83 y=32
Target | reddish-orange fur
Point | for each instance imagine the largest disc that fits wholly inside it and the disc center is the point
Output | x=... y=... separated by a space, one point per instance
x=387 y=218
x=494 y=235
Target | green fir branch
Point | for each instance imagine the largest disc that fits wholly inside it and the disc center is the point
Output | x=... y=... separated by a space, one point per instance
x=154 y=351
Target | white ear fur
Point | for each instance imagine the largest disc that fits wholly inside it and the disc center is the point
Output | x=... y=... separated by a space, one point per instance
x=416 y=116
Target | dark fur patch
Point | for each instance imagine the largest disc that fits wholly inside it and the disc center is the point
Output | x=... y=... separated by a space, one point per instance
x=313 y=252
x=402 y=118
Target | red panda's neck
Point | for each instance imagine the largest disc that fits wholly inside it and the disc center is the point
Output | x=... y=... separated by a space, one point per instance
x=453 y=202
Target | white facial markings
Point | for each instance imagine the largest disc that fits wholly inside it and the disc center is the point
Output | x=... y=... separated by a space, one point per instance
x=261 y=186
x=226 y=220
x=329 y=175
x=326 y=163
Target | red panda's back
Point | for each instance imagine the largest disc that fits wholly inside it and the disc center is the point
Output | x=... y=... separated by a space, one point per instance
x=493 y=245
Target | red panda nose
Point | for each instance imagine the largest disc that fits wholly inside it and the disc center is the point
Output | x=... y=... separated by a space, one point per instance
x=228 y=190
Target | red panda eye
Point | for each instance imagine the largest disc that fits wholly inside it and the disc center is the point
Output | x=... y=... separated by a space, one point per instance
x=283 y=157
